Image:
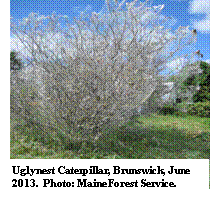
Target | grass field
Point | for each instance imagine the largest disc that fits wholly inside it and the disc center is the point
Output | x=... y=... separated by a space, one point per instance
x=154 y=137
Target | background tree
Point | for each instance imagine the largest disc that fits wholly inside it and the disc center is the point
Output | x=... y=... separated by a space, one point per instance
x=200 y=79
x=15 y=62
x=203 y=94
x=193 y=80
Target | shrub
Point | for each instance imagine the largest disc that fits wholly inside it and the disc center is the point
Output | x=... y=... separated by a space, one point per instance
x=168 y=110
x=201 y=109
x=171 y=110
x=180 y=113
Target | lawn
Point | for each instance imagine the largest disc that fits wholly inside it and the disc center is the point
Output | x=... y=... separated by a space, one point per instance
x=154 y=137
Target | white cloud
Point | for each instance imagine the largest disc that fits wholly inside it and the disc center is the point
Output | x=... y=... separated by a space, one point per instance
x=208 y=60
x=176 y=64
x=201 y=7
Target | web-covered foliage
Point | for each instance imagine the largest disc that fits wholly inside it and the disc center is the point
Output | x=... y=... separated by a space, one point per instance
x=94 y=72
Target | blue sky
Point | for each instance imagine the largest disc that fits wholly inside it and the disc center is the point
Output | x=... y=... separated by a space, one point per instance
x=193 y=13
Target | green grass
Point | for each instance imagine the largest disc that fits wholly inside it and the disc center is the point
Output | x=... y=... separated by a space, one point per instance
x=155 y=137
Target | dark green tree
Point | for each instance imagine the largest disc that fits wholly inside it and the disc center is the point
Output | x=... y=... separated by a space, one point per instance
x=15 y=62
x=194 y=80
x=203 y=80
x=203 y=94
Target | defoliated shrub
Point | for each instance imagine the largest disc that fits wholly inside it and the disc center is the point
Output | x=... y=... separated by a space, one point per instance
x=115 y=58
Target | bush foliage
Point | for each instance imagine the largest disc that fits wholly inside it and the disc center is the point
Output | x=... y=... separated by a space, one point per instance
x=201 y=109
x=171 y=110
x=168 y=110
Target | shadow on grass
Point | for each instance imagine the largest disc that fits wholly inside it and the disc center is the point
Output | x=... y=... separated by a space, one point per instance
x=129 y=141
